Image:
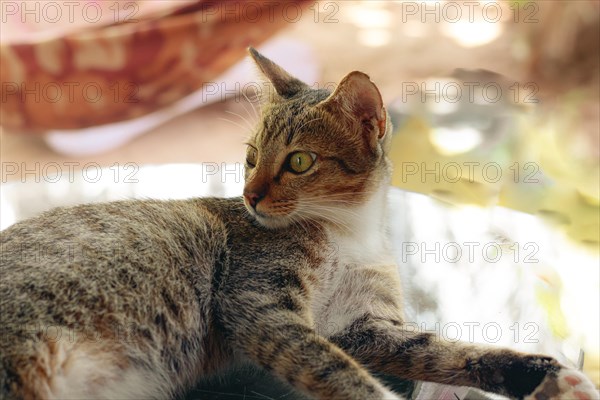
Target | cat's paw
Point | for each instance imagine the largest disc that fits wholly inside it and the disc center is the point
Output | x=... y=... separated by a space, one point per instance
x=566 y=384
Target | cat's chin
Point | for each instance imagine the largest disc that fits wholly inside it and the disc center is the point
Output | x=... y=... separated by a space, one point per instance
x=268 y=221
x=272 y=222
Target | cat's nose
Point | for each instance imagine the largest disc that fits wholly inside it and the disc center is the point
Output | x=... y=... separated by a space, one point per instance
x=253 y=198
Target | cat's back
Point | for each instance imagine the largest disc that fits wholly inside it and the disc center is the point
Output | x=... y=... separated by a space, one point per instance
x=105 y=235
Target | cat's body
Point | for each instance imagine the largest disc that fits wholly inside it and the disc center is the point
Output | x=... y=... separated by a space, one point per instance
x=155 y=305
x=139 y=299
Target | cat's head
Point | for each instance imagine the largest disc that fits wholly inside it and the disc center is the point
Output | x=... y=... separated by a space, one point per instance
x=315 y=154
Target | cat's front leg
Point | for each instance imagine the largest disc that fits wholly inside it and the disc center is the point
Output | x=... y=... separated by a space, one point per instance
x=283 y=343
x=383 y=345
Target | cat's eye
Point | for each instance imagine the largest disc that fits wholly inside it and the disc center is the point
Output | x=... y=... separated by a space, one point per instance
x=251 y=155
x=301 y=161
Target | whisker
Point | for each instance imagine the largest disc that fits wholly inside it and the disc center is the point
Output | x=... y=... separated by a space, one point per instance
x=245 y=128
x=326 y=216
x=342 y=194
x=299 y=222
x=242 y=118
x=335 y=215
x=336 y=201
x=330 y=208
x=251 y=104
x=250 y=117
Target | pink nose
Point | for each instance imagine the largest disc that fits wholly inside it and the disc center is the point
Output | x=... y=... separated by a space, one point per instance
x=253 y=198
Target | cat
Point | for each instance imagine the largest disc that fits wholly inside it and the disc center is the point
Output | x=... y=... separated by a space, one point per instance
x=141 y=298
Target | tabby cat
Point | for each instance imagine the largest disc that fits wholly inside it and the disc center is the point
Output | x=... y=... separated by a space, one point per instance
x=139 y=299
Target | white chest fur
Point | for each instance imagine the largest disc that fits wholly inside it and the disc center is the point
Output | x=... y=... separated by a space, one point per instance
x=359 y=269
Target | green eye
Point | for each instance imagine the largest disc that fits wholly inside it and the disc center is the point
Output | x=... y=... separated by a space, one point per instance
x=251 y=155
x=301 y=161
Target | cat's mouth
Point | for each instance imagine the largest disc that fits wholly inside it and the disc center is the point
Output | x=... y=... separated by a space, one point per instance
x=272 y=218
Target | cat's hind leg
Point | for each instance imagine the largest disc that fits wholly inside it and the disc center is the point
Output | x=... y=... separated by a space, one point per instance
x=61 y=369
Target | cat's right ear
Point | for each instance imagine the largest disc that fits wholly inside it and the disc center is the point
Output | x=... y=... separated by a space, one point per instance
x=357 y=101
x=281 y=84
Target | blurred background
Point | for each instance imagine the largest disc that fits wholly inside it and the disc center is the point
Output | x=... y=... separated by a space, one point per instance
x=495 y=104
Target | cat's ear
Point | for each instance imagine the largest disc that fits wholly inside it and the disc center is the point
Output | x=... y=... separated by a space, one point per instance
x=357 y=99
x=284 y=85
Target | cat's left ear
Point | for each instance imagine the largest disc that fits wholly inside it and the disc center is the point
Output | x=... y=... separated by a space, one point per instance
x=285 y=85
x=359 y=100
